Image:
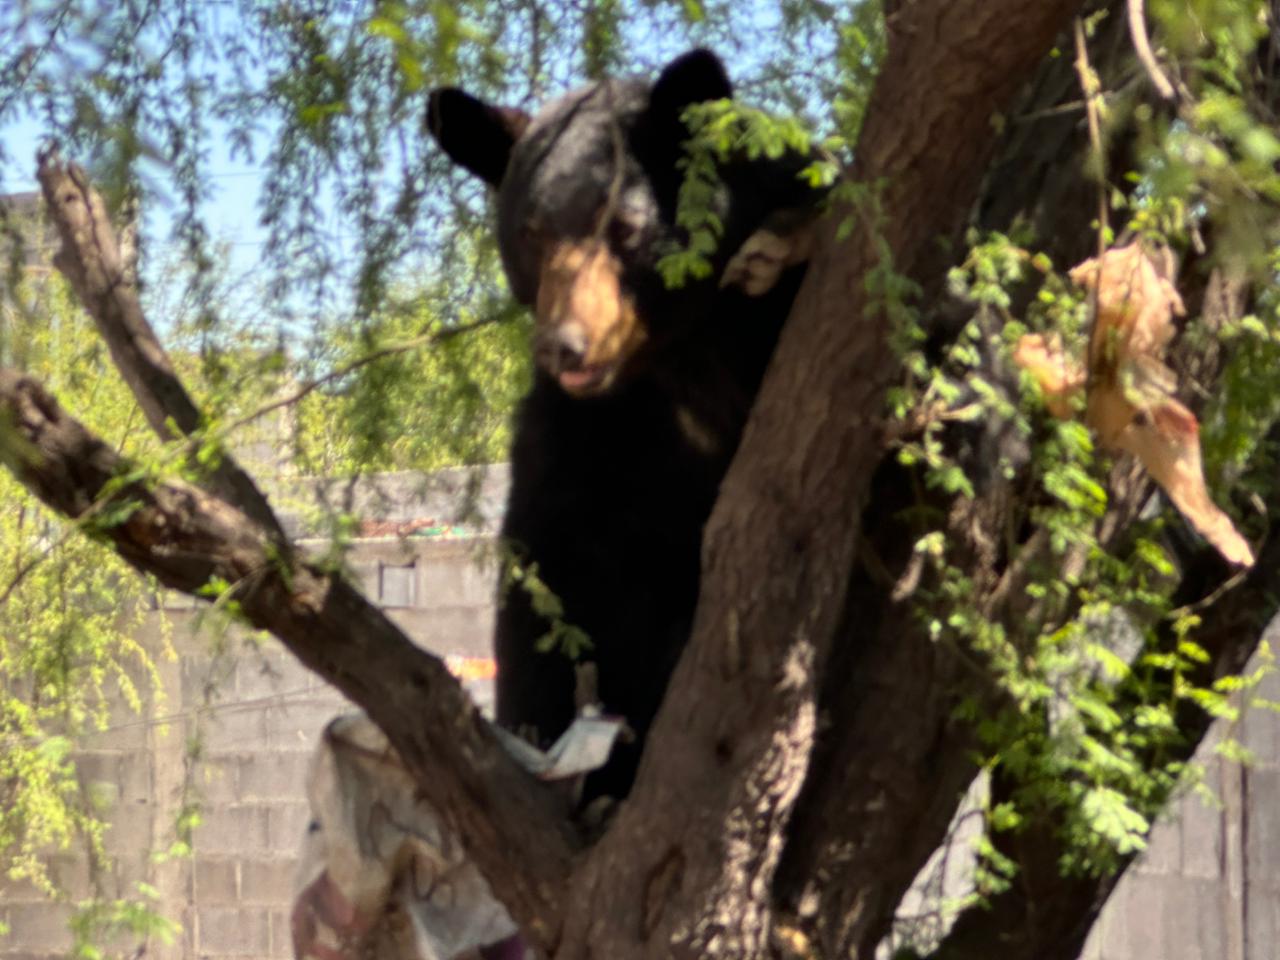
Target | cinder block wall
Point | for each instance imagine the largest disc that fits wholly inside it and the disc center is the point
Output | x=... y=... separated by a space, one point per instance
x=258 y=741
x=256 y=715
x=1208 y=889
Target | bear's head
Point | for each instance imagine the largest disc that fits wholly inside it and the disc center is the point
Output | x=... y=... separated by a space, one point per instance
x=587 y=194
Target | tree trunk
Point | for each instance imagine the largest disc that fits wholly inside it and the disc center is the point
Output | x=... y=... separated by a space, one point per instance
x=889 y=775
x=686 y=868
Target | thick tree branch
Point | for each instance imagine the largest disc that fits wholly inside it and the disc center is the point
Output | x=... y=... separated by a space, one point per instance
x=91 y=260
x=888 y=777
x=683 y=867
x=512 y=827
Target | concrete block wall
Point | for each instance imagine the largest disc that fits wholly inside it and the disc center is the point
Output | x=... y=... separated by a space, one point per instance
x=1208 y=887
x=257 y=715
x=256 y=741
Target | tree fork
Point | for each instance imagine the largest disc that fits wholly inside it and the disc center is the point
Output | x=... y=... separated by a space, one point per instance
x=91 y=260
x=513 y=827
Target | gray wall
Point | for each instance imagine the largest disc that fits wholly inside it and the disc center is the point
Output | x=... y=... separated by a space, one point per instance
x=1208 y=887
x=257 y=715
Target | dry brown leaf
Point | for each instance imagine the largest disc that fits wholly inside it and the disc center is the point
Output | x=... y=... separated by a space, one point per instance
x=1167 y=442
x=1059 y=376
x=1131 y=406
x=1116 y=398
x=1136 y=306
x=1108 y=414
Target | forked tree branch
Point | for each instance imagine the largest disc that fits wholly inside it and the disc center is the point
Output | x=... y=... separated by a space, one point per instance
x=512 y=827
x=515 y=830
x=91 y=260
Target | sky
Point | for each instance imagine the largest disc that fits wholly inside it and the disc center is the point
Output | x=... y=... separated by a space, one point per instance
x=231 y=214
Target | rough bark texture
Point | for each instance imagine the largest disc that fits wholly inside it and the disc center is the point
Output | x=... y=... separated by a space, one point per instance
x=92 y=261
x=887 y=778
x=684 y=869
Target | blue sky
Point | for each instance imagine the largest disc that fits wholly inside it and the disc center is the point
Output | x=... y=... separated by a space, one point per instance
x=232 y=214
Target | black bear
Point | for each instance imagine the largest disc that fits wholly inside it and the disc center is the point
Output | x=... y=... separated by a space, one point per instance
x=641 y=392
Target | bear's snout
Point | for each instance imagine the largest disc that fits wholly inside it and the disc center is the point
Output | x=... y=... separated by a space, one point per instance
x=588 y=326
x=562 y=348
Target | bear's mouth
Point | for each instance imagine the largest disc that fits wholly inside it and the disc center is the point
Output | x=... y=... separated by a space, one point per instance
x=587 y=381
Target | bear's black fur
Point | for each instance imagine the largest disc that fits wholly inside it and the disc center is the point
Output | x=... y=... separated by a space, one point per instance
x=640 y=393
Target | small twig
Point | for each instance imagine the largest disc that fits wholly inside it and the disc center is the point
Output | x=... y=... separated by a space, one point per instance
x=1062 y=109
x=1089 y=87
x=391 y=350
x=1142 y=47
x=907 y=584
x=1213 y=596
x=1015 y=574
x=925 y=414
x=25 y=570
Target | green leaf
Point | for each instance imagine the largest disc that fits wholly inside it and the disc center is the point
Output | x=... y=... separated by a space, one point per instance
x=1108 y=813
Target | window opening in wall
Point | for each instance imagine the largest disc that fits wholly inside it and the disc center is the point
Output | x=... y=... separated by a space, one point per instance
x=396 y=584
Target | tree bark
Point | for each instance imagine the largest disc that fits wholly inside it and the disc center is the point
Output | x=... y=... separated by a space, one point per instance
x=686 y=867
x=888 y=777
x=93 y=263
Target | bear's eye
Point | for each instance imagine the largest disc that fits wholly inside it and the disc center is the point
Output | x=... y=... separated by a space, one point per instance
x=532 y=233
x=632 y=218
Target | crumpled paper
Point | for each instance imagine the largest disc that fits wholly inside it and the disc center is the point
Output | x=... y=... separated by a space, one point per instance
x=381 y=875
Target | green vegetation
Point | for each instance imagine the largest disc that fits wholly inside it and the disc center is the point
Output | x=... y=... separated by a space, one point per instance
x=71 y=661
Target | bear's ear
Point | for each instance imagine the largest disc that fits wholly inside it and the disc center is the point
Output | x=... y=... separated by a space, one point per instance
x=695 y=77
x=475 y=135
